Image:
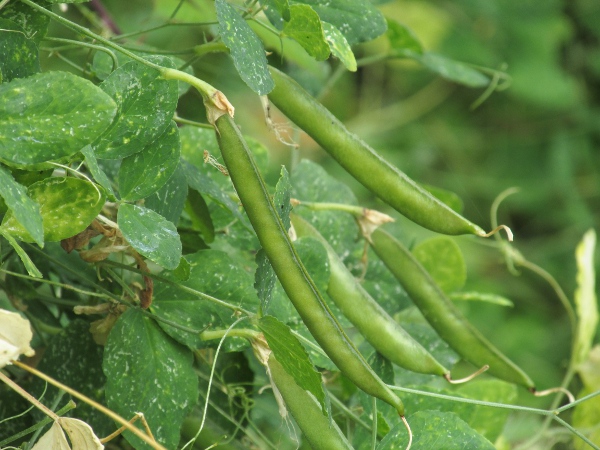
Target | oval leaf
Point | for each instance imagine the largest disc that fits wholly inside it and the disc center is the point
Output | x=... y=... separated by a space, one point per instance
x=426 y=425
x=25 y=210
x=339 y=46
x=246 y=48
x=442 y=258
x=150 y=234
x=147 y=171
x=146 y=105
x=453 y=70
x=50 y=116
x=305 y=27
x=148 y=372
x=169 y=200
x=19 y=53
x=67 y=206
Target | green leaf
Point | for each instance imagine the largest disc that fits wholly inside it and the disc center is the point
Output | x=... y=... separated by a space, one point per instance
x=282 y=196
x=306 y=28
x=215 y=274
x=312 y=183
x=448 y=197
x=402 y=38
x=73 y=357
x=585 y=298
x=339 y=46
x=50 y=116
x=197 y=209
x=148 y=372
x=92 y=164
x=150 y=234
x=32 y=270
x=282 y=7
x=426 y=426
x=452 y=70
x=169 y=200
x=206 y=186
x=19 y=53
x=67 y=205
x=25 y=210
x=146 y=104
x=292 y=356
x=31 y=20
x=264 y=280
x=358 y=21
x=494 y=299
x=246 y=48
x=442 y=258
x=145 y=172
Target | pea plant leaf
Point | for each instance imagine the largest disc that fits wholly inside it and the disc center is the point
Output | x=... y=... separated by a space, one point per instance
x=246 y=48
x=96 y=171
x=312 y=183
x=32 y=270
x=425 y=426
x=442 y=258
x=199 y=214
x=169 y=200
x=264 y=280
x=24 y=209
x=306 y=28
x=339 y=46
x=292 y=356
x=33 y=22
x=281 y=6
x=212 y=273
x=150 y=234
x=585 y=298
x=358 y=21
x=452 y=70
x=31 y=108
x=19 y=52
x=72 y=356
x=282 y=196
x=147 y=171
x=149 y=372
x=402 y=39
x=67 y=206
x=206 y=186
x=146 y=104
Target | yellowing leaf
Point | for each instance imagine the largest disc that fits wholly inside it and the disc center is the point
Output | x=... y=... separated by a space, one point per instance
x=53 y=439
x=15 y=336
x=585 y=297
x=81 y=434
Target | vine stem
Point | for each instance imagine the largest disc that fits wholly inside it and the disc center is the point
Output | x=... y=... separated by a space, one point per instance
x=104 y=410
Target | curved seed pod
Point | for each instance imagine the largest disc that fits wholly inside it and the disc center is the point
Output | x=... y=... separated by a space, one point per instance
x=290 y=271
x=317 y=428
x=374 y=323
x=442 y=314
x=363 y=163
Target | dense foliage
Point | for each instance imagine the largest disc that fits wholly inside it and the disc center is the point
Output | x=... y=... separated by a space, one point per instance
x=145 y=237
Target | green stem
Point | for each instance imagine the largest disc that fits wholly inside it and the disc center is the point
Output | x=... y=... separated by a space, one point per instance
x=183 y=121
x=2 y=5
x=87 y=45
x=46 y=420
x=218 y=334
x=542 y=412
x=576 y=432
x=577 y=402
x=374 y=425
x=210 y=47
x=347 y=412
x=357 y=211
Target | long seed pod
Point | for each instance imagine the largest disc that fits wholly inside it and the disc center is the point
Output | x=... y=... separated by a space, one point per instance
x=289 y=269
x=317 y=428
x=370 y=319
x=363 y=163
x=442 y=314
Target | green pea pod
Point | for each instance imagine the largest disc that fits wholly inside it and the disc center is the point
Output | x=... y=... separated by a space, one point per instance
x=316 y=427
x=289 y=269
x=442 y=314
x=363 y=163
x=374 y=323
